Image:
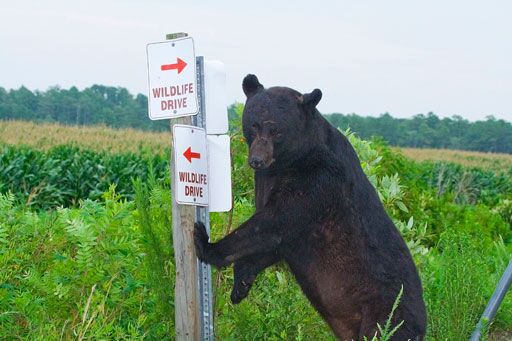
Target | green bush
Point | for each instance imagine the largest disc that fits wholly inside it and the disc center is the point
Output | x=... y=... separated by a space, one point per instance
x=75 y=273
x=504 y=209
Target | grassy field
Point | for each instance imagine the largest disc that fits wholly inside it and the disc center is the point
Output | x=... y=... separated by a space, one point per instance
x=490 y=161
x=98 y=138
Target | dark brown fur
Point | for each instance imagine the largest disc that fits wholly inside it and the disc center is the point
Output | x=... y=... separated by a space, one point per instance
x=317 y=210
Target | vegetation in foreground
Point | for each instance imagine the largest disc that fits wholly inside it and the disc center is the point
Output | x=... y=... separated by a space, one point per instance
x=103 y=268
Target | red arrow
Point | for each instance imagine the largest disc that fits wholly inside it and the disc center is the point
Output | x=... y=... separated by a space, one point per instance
x=179 y=65
x=189 y=154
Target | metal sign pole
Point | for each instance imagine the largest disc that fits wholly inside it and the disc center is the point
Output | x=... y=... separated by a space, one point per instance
x=494 y=303
x=202 y=214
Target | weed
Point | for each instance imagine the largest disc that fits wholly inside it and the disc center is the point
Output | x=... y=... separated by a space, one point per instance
x=386 y=332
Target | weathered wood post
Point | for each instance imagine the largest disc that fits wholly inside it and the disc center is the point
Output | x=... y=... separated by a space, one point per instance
x=186 y=298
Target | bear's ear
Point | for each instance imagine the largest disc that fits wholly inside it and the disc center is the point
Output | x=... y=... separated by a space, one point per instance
x=311 y=100
x=251 y=85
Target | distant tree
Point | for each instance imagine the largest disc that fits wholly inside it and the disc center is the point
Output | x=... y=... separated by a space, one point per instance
x=4 y=105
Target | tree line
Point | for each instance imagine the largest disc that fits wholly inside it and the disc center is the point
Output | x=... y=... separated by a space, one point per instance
x=117 y=107
x=430 y=131
x=98 y=104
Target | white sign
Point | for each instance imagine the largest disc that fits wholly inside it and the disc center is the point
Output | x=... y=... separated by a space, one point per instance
x=190 y=165
x=215 y=102
x=172 y=79
x=219 y=170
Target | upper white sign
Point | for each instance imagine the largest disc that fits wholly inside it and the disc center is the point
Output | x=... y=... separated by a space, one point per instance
x=172 y=79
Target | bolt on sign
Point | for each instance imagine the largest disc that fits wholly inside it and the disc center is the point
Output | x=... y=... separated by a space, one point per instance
x=172 y=79
x=190 y=165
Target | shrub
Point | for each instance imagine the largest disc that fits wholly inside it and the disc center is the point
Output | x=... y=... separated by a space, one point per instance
x=75 y=273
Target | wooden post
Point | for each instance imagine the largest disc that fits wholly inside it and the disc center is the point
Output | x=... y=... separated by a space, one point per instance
x=186 y=301
x=186 y=298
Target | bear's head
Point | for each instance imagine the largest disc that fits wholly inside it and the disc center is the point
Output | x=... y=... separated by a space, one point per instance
x=278 y=124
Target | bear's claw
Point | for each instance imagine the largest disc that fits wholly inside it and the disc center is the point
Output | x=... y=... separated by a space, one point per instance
x=240 y=291
x=200 y=240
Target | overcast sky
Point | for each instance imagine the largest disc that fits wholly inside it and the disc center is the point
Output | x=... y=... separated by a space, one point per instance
x=368 y=57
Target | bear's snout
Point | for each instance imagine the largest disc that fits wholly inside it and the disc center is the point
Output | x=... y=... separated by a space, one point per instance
x=256 y=163
x=261 y=153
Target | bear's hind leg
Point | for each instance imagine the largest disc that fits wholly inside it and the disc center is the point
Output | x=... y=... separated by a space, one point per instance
x=245 y=271
x=344 y=329
x=369 y=323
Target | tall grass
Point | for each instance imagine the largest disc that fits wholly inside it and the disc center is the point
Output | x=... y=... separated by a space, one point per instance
x=99 y=138
x=490 y=161
x=154 y=218
x=456 y=286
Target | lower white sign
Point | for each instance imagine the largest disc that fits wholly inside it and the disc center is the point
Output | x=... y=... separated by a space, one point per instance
x=190 y=165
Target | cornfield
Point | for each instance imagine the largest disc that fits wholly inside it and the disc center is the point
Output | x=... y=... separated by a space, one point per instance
x=63 y=175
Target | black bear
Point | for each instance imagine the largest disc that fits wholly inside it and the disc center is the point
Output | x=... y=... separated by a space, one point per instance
x=317 y=210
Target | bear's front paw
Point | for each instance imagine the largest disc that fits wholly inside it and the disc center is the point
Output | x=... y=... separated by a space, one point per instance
x=201 y=241
x=240 y=291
